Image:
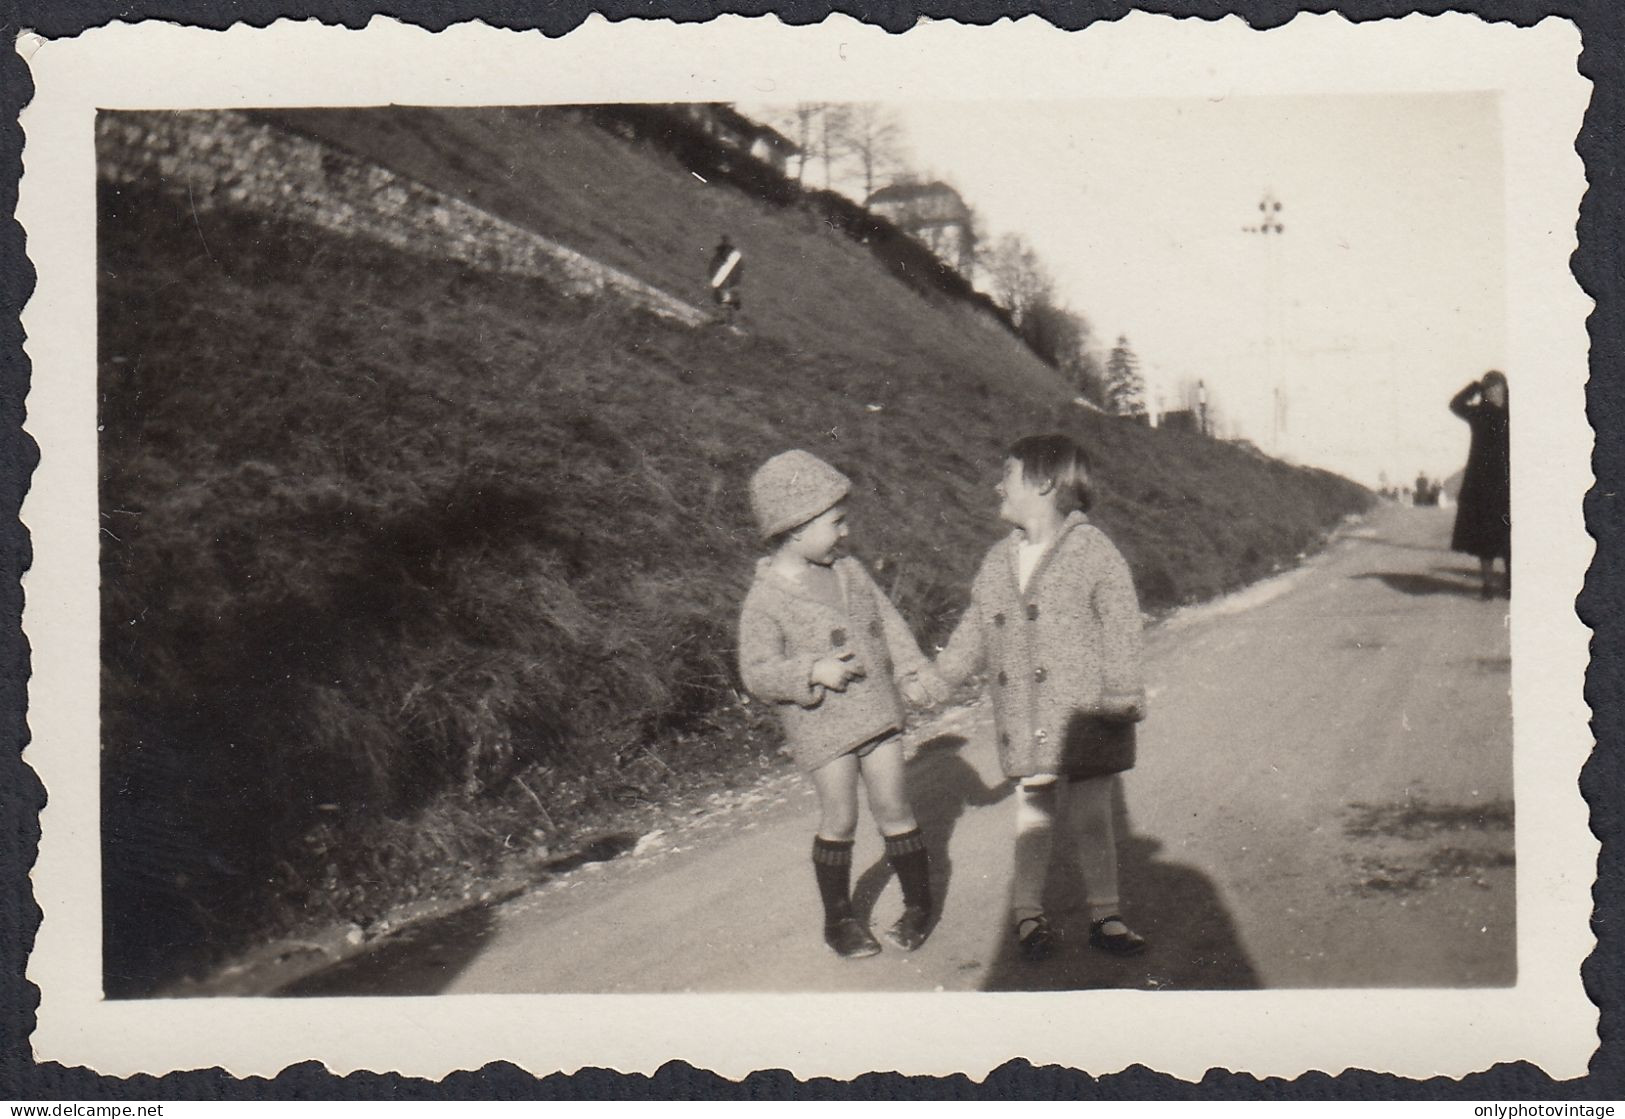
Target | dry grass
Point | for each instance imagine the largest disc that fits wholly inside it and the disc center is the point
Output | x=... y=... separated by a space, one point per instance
x=403 y=560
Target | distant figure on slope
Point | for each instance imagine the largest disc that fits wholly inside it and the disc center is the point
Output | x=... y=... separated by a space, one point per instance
x=1484 y=506
x=1055 y=622
x=726 y=272
x=821 y=643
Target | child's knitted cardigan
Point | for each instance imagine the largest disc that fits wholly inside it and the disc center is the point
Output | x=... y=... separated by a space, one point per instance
x=1060 y=655
x=783 y=630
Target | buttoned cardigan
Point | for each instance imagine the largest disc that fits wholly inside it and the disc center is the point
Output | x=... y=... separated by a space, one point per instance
x=783 y=630
x=1062 y=656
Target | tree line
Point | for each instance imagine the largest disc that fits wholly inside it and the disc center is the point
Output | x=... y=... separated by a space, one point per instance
x=860 y=147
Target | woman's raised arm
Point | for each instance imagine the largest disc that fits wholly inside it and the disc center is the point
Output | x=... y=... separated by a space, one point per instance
x=1460 y=402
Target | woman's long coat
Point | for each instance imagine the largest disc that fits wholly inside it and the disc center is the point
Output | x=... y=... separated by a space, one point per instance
x=1484 y=508
x=1063 y=656
x=783 y=630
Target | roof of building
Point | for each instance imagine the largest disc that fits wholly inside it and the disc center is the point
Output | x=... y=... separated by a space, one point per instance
x=908 y=192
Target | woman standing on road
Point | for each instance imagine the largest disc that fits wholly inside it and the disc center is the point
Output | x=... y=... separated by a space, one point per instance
x=1484 y=513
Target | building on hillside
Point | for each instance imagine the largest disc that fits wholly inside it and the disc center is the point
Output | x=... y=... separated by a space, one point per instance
x=1179 y=419
x=734 y=129
x=934 y=214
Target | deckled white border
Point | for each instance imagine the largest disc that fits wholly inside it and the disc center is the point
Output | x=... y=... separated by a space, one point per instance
x=1546 y=1019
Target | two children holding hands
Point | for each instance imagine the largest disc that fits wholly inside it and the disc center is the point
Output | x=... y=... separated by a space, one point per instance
x=1053 y=622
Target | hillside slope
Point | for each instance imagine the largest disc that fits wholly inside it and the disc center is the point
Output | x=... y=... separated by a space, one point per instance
x=845 y=332
x=634 y=208
x=405 y=559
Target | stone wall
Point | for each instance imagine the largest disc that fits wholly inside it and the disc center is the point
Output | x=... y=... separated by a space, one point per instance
x=227 y=159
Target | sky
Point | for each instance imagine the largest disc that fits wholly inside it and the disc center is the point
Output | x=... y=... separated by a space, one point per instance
x=1382 y=297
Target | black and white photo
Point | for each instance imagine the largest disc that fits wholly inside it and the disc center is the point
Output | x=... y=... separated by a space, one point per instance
x=964 y=573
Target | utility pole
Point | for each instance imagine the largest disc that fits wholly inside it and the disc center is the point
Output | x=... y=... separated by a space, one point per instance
x=1270 y=228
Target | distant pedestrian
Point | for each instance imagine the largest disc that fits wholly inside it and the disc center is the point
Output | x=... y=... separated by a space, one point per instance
x=1484 y=505
x=1427 y=490
x=725 y=276
x=1055 y=622
x=821 y=643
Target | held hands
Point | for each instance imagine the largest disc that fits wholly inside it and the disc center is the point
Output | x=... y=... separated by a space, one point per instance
x=914 y=691
x=835 y=672
x=923 y=688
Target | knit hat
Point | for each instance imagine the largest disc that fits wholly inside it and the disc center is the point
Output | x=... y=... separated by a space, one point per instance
x=791 y=489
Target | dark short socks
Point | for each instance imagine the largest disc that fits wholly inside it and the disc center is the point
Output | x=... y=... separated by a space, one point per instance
x=906 y=844
x=832 y=866
x=912 y=865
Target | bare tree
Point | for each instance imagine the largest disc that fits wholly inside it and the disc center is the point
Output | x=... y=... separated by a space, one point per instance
x=830 y=138
x=818 y=128
x=1018 y=279
x=798 y=122
x=872 y=141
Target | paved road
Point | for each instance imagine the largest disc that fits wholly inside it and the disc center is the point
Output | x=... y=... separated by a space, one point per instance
x=1323 y=799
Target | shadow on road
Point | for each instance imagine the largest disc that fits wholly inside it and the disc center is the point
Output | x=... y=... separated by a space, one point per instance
x=943 y=784
x=1193 y=942
x=423 y=958
x=1415 y=583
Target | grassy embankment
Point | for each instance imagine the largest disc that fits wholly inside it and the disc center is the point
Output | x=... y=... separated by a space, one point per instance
x=406 y=564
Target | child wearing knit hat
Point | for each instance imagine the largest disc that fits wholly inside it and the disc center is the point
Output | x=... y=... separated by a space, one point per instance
x=820 y=642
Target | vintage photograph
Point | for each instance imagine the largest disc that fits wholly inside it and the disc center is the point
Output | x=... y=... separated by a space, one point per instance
x=788 y=544
x=442 y=448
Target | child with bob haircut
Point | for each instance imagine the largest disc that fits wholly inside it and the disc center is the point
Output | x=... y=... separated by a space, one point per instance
x=1055 y=622
x=820 y=642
